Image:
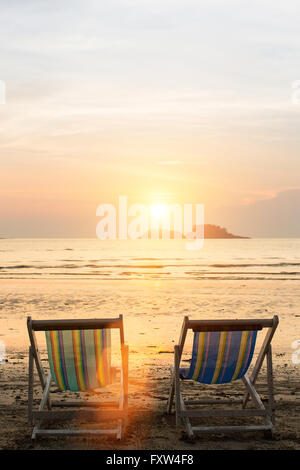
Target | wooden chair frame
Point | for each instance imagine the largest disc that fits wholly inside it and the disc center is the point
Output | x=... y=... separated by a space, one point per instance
x=96 y=411
x=183 y=413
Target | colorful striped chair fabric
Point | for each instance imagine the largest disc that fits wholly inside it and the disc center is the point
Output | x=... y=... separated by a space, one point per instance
x=80 y=360
x=220 y=357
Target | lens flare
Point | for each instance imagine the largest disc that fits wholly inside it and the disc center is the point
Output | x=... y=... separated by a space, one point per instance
x=157 y=210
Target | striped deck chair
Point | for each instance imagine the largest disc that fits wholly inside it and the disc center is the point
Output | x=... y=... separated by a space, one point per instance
x=222 y=353
x=79 y=357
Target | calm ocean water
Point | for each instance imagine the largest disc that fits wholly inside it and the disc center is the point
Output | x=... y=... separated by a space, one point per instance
x=233 y=259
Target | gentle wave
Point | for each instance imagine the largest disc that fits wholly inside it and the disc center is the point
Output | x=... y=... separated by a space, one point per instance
x=122 y=277
x=150 y=266
x=274 y=259
x=248 y=265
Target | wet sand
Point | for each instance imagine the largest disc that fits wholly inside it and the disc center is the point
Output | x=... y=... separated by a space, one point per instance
x=153 y=312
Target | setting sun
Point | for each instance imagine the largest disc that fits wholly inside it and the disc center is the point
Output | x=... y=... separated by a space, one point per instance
x=158 y=210
x=149 y=228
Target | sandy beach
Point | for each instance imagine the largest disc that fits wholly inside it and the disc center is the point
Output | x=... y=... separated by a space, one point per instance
x=153 y=312
x=149 y=168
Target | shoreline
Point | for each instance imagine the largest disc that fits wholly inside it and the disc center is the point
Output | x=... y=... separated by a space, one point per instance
x=153 y=312
x=149 y=426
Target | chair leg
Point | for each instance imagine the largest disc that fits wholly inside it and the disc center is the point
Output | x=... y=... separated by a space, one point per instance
x=119 y=432
x=44 y=401
x=175 y=392
x=35 y=432
x=271 y=402
x=252 y=392
x=186 y=420
x=121 y=406
x=172 y=393
x=177 y=385
x=123 y=402
x=256 y=398
x=46 y=391
x=124 y=374
x=263 y=352
x=30 y=386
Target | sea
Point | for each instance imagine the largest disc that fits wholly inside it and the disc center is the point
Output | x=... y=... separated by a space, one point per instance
x=218 y=259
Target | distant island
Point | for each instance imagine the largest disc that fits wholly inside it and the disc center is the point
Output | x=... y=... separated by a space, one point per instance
x=215 y=231
x=210 y=231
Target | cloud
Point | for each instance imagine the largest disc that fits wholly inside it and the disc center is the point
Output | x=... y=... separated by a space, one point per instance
x=170 y=162
x=274 y=217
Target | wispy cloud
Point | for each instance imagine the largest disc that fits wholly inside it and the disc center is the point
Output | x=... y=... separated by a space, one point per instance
x=195 y=92
x=170 y=162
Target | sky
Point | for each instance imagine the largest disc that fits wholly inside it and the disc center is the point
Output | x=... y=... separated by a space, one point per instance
x=162 y=101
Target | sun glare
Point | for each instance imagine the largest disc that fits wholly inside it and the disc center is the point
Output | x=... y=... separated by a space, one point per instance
x=158 y=210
